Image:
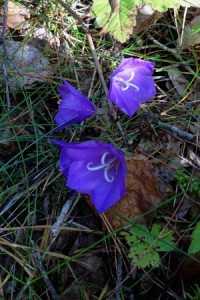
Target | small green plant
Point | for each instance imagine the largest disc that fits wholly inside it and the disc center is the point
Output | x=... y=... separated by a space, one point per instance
x=195 y=28
x=196 y=295
x=145 y=245
x=195 y=242
x=188 y=183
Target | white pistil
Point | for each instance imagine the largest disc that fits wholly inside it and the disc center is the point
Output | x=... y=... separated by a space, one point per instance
x=104 y=165
x=126 y=83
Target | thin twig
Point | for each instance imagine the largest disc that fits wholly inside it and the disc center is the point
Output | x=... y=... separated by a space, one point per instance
x=4 y=139
x=119 y=277
x=22 y=190
x=92 y=83
x=39 y=264
x=183 y=134
x=183 y=26
x=74 y=14
x=3 y=39
x=163 y=47
x=23 y=289
x=6 y=131
x=63 y=214
x=175 y=53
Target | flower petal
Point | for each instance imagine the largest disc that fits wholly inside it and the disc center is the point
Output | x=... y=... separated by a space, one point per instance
x=65 y=117
x=103 y=194
x=89 y=151
x=107 y=195
x=74 y=107
x=132 y=84
x=125 y=100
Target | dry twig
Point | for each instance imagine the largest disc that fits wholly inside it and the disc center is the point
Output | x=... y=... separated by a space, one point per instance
x=181 y=133
x=63 y=214
x=175 y=53
x=3 y=39
x=39 y=264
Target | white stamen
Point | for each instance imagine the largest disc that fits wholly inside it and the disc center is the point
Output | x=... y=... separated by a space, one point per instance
x=104 y=165
x=126 y=83
x=111 y=179
x=132 y=76
x=103 y=158
x=90 y=168
x=128 y=86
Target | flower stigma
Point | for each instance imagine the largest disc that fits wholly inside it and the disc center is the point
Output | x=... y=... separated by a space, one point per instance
x=104 y=165
x=126 y=83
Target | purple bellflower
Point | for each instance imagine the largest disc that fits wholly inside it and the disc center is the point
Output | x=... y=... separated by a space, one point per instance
x=74 y=106
x=94 y=168
x=132 y=84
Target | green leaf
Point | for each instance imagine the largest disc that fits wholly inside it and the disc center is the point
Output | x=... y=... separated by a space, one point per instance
x=122 y=20
x=101 y=10
x=119 y=16
x=195 y=243
x=144 y=257
x=195 y=28
x=163 y=5
x=145 y=244
x=165 y=238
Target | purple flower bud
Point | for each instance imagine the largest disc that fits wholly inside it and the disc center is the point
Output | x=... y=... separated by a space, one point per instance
x=132 y=84
x=94 y=168
x=74 y=106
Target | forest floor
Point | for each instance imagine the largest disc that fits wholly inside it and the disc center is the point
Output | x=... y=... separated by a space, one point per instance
x=53 y=243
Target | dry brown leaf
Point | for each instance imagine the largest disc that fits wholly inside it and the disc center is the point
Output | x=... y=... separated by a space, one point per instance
x=184 y=207
x=194 y=157
x=165 y=173
x=195 y=126
x=179 y=81
x=145 y=17
x=142 y=194
x=191 y=38
x=17 y=14
x=189 y=267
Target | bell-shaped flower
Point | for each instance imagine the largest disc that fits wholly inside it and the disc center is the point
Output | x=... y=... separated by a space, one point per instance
x=132 y=84
x=74 y=106
x=94 y=168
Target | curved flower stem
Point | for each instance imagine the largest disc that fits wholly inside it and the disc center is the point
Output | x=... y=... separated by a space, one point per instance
x=96 y=60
